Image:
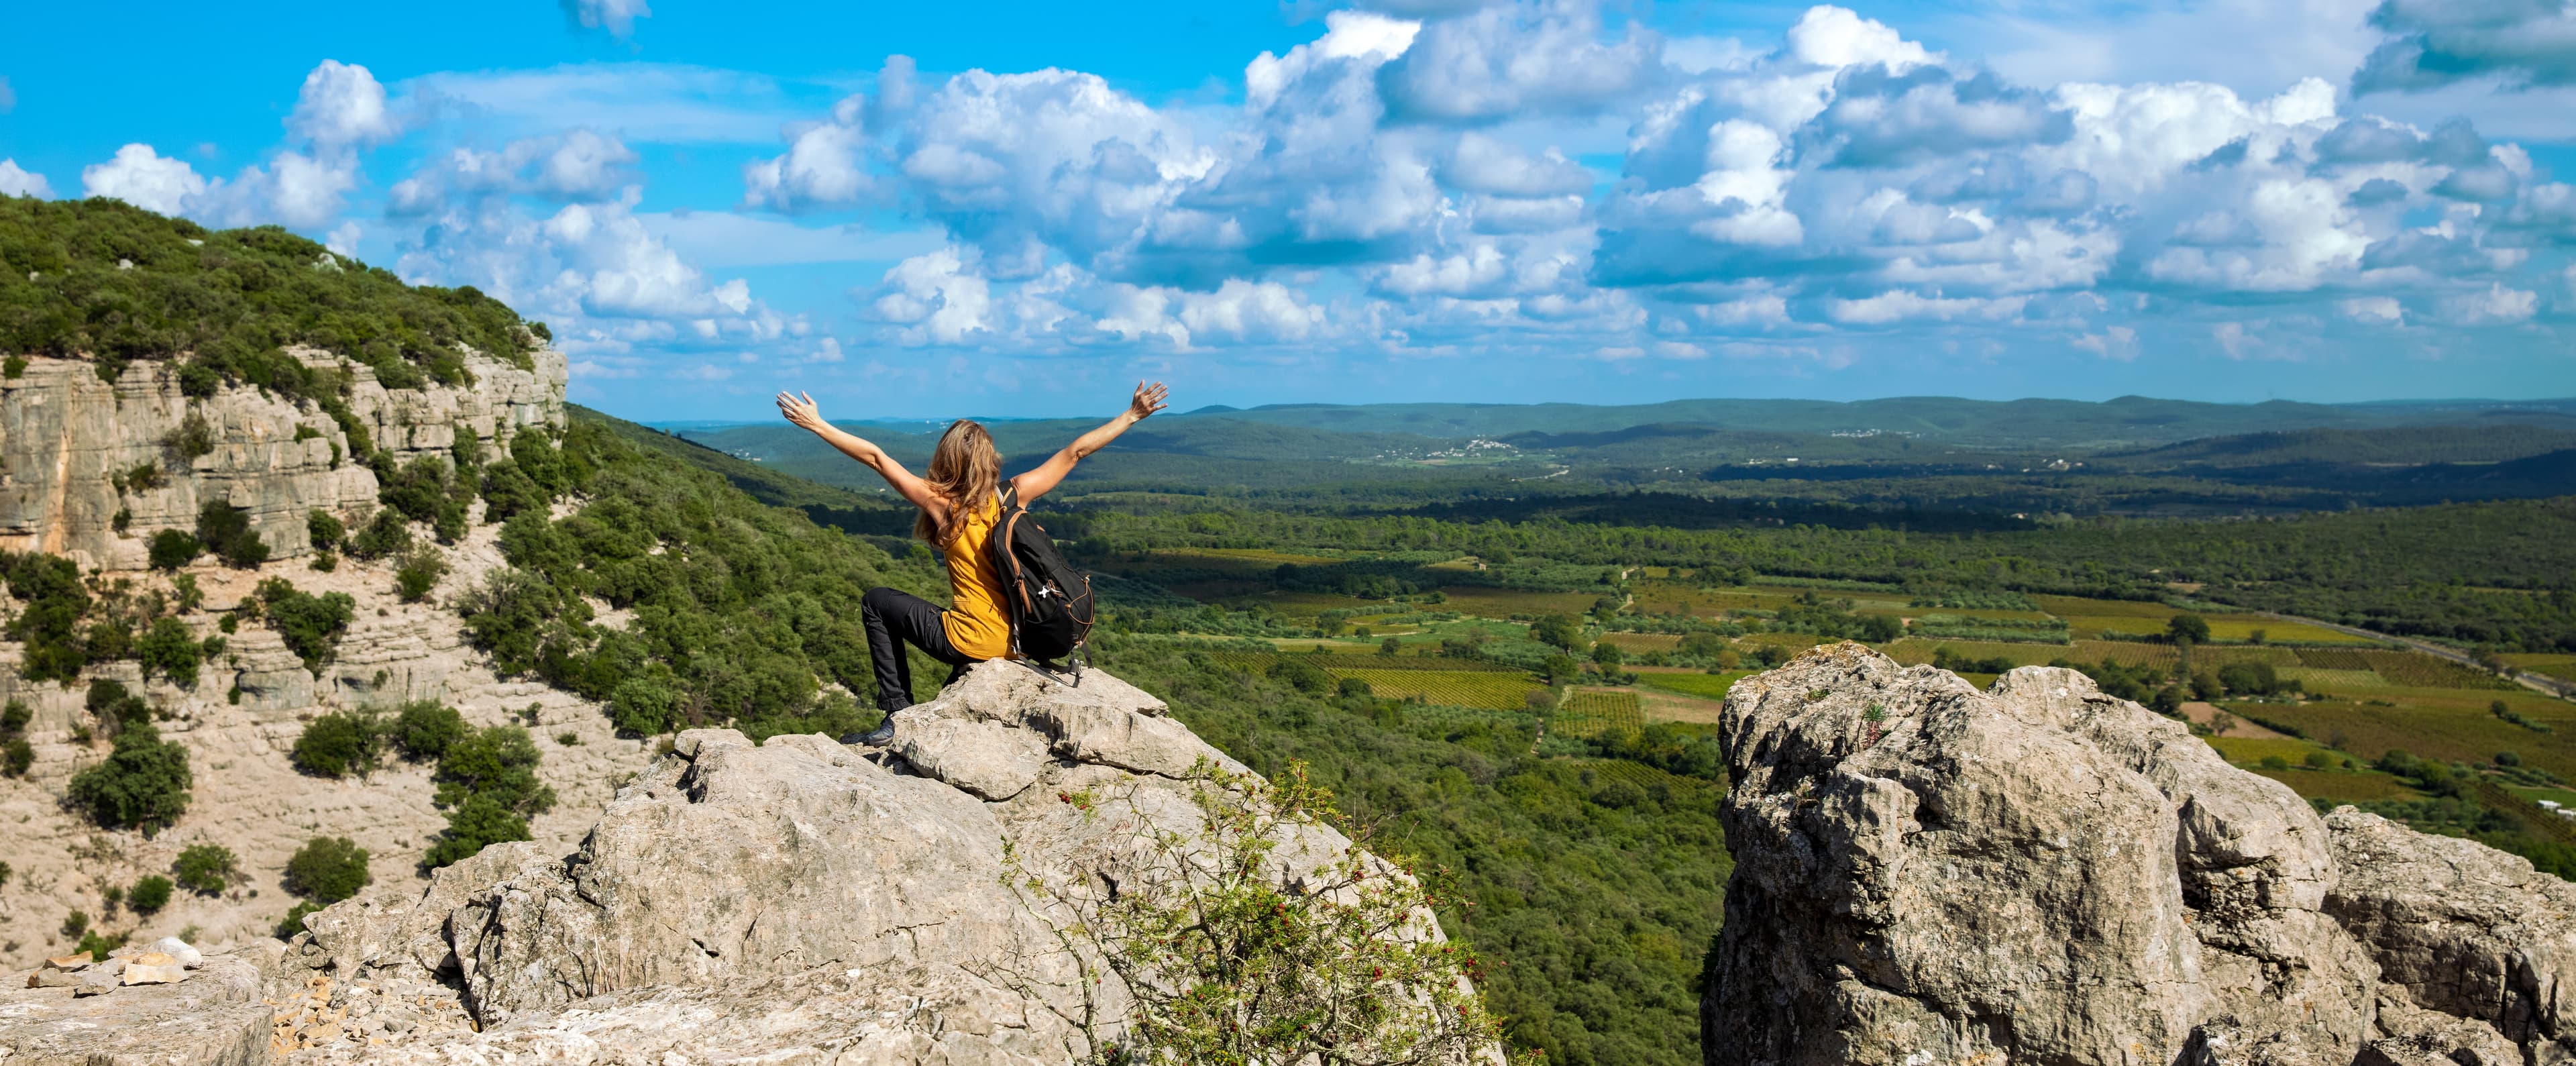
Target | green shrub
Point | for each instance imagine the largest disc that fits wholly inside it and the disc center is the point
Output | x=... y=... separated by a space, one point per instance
x=2275 y=762
x=417 y=572
x=644 y=705
x=16 y=755
x=507 y=491
x=150 y=894
x=75 y=923
x=145 y=476
x=186 y=595
x=14 y=367
x=174 y=548
x=96 y=943
x=15 y=716
x=114 y=705
x=423 y=730
x=170 y=649
x=536 y=456
x=417 y=489
x=50 y=624
x=324 y=529
x=339 y=744
x=479 y=823
x=142 y=784
x=293 y=923
x=385 y=534
x=327 y=870
x=193 y=437
x=487 y=781
x=5 y=871
x=206 y=869
x=197 y=381
x=310 y=625
x=226 y=531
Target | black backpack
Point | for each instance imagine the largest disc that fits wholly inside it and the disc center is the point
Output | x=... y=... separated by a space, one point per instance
x=1048 y=601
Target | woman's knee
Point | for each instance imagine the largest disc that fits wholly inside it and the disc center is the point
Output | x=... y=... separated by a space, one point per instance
x=879 y=598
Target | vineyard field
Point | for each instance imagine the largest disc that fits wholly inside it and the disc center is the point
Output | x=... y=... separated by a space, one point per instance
x=2414 y=669
x=1494 y=690
x=1587 y=714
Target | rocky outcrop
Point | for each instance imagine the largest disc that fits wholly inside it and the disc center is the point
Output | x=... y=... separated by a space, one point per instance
x=2038 y=872
x=802 y=899
x=66 y=439
x=70 y=443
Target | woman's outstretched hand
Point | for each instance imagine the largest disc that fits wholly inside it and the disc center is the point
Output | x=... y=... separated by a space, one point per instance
x=1149 y=399
x=799 y=409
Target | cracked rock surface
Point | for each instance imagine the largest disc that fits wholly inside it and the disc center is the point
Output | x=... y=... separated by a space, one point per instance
x=798 y=900
x=1929 y=873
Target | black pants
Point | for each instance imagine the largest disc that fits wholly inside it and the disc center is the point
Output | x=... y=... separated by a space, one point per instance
x=895 y=618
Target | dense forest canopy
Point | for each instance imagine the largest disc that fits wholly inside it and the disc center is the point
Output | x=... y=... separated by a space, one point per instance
x=101 y=280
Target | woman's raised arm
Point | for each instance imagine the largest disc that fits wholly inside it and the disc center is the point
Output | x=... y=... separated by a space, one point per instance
x=800 y=409
x=1049 y=474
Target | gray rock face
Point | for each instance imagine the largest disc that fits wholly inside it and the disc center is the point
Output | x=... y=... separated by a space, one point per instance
x=214 y=1018
x=2461 y=928
x=801 y=900
x=70 y=442
x=2038 y=872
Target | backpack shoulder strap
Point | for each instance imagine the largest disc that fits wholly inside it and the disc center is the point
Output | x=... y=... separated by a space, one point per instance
x=1010 y=496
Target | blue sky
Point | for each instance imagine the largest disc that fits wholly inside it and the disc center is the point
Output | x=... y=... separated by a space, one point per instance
x=918 y=210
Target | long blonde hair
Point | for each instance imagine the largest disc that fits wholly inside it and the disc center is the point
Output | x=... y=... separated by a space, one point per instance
x=965 y=471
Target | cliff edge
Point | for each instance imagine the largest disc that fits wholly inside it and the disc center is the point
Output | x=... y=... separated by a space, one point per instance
x=797 y=900
x=1929 y=873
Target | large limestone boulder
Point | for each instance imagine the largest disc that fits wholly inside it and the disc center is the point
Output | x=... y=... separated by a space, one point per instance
x=800 y=899
x=2038 y=872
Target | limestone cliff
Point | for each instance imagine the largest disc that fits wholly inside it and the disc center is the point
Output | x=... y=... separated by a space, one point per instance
x=68 y=442
x=2037 y=872
x=67 y=439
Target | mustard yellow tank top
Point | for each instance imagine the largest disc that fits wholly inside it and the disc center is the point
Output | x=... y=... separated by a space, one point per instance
x=974 y=620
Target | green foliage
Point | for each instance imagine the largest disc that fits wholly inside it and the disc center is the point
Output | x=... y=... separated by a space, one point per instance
x=310 y=625
x=2187 y=627
x=16 y=756
x=1226 y=964
x=206 y=869
x=423 y=730
x=508 y=491
x=174 y=548
x=142 y=784
x=96 y=943
x=384 y=534
x=749 y=609
x=14 y=717
x=14 y=367
x=226 y=531
x=171 y=650
x=1557 y=629
x=150 y=894
x=234 y=297
x=427 y=489
x=293 y=923
x=487 y=781
x=324 y=529
x=75 y=923
x=191 y=438
x=339 y=744
x=327 y=869
x=417 y=572
x=50 y=623
x=1599 y=911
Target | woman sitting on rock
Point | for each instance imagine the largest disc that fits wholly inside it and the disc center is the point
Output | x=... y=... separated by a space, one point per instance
x=960 y=502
